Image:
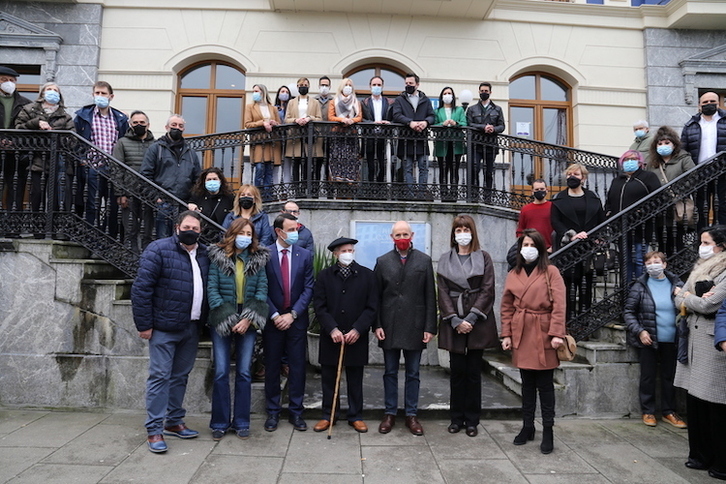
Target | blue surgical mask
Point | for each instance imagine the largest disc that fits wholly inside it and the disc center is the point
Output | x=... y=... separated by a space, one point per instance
x=639 y=133
x=291 y=238
x=376 y=90
x=630 y=166
x=257 y=96
x=242 y=241
x=101 y=102
x=212 y=186
x=51 y=97
x=665 y=150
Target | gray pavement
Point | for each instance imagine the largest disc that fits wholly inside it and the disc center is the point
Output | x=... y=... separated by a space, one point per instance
x=38 y=446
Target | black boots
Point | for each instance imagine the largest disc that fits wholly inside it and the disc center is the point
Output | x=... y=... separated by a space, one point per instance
x=527 y=433
x=547 y=436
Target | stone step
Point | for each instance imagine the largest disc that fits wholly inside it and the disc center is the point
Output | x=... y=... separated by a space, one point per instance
x=92 y=268
x=596 y=352
x=610 y=333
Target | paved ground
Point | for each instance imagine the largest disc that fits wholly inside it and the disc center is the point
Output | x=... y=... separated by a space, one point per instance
x=85 y=447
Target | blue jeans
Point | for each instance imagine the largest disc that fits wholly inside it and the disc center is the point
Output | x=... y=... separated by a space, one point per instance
x=263 y=174
x=244 y=345
x=634 y=260
x=171 y=358
x=164 y=222
x=423 y=169
x=412 y=360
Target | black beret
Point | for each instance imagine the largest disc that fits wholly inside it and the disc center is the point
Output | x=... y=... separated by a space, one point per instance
x=341 y=241
x=6 y=71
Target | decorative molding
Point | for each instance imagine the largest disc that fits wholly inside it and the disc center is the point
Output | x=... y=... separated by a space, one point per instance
x=711 y=61
x=16 y=32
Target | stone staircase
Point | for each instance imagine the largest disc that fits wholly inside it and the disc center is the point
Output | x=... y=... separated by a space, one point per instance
x=602 y=380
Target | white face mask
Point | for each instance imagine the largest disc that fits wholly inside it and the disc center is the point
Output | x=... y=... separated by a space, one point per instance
x=347 y=90
x=346 y=258
x=463 y=238
x=324 y=90
x=705 y=251
x=8 y=87
x=530 y=254
x=447 y=98
x=655 y=270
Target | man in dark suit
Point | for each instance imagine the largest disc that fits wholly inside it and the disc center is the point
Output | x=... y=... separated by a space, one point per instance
x=489 y=119
x=406 y=321
x=290 y=289
x=376 y=110
x=346 y=302
x=413 y=108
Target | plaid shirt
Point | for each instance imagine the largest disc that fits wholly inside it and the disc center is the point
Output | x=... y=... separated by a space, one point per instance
x=104 y=134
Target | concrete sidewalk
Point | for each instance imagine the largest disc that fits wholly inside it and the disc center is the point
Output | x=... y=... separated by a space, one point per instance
x=108 y=447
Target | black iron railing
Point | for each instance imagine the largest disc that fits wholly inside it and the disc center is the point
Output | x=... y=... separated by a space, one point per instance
x=517 y=162
x=73 y=195
x=609 y=252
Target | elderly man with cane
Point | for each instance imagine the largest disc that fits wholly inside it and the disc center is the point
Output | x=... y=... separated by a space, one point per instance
x=346 y=301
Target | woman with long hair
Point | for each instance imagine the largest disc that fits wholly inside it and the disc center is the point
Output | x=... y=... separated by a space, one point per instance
x=449 y=153
x=237 y=294
x=212 y=195
x=668 y=161
x=301 y=110
x=465 y=276
x=282 y=99
x=265 y=149
x=345 y=109
x=703 y=375
x=533 y=327
x=248 y=204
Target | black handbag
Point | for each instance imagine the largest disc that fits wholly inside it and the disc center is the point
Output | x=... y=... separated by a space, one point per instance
x=605 y=259
x=682 y=332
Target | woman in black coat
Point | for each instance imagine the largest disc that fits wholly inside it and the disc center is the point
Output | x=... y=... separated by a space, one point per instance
x=649 y=315
x=345 y=299
x=633 y=184
x=575 y=212
x=465 y=276
x=212 y=196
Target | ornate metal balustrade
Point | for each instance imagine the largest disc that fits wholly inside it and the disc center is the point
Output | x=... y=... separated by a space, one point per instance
x=63 y=206
x=649 y=222
x=518 y=162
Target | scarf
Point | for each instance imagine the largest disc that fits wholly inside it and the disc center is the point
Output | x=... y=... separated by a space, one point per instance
x=346 y=107
x=451 y=267
x=707 y=270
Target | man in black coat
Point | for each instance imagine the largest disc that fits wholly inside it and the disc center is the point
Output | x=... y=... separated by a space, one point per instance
x=11 y=102
x=406 y=321
x=376 y=110
x=346 y=302
x=413 y=108
x=489 y=118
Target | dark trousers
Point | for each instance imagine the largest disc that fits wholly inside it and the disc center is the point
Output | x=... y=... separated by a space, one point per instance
x=534 y=381
x=466 y=387
x=376 y=160
x=483 y=155
x=354 y=382
x=578 y=284
x=449 y=168
x=13 y=166
x=707 y=198
x=292 y=342
x=706 y=430
x=649 y=359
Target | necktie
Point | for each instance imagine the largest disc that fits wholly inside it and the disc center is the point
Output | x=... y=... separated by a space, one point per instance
x=285 y=269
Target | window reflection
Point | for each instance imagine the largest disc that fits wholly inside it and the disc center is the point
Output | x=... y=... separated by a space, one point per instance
x=198 y=78
x=194 y=110
x=393 y=80
x=229 y=114
x=552 y=90
x=229 y=78
x=522 y=88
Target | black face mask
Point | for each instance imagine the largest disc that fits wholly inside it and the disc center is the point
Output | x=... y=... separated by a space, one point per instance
x=540 y=195
x=303 y=90
x=175 y=134
x=139 y=130
x=410 y=89
x=573 y=182
x=246 y=202
x=709 y=109
x=483 y=96
x=188 y=237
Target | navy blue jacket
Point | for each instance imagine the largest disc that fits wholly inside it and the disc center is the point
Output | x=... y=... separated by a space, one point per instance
x=84 y=121
x=301 y=283
x=263 y=231
x=162 y=293
x=691 y=135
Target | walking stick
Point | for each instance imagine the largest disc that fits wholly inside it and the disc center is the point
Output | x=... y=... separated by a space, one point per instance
x=337 y=388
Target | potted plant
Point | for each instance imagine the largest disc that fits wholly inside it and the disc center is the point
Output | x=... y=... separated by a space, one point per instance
x=321 y=259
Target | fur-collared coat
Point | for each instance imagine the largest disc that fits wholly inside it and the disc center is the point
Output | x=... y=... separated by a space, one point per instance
x=704 y=376
x=533 y=312
x=222 y=289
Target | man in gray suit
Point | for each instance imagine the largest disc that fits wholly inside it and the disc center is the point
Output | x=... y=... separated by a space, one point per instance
x=406 y=321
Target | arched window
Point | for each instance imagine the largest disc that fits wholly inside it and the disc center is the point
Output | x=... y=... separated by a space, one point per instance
x=540 y=108
x=393 y=79
x=211 y=97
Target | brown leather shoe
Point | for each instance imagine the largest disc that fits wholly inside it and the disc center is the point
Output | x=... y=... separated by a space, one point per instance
x=359 y=426
x=675 y=420
x=649 y=420
x=414 y=426
x=387 y=424
x=321 y=426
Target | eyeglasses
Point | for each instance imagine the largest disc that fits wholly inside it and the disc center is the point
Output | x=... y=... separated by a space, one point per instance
x=292 y=212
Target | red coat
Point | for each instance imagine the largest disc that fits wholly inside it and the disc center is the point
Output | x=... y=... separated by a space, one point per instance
x=531 y=318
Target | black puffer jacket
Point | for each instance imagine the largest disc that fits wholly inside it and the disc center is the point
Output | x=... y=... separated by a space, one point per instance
x=691 y=135
x=626 y=190
x=639 y=310
x=176 y=173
